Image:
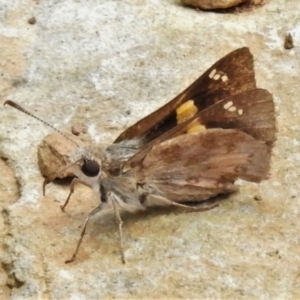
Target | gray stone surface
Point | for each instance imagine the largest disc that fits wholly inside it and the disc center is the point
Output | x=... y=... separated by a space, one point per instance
x=89 y=62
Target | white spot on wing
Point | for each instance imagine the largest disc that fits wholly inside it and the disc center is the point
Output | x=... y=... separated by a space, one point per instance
x=224 y=78
x=217 y=77
x=232 y=108
x=240 y=112
x=228 y=104
x=212 y=73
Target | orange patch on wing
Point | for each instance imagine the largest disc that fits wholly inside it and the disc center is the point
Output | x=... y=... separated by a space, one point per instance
x=186 y=111
x=195 y=128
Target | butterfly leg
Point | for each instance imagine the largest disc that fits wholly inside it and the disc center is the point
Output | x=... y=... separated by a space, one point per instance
x=74 y=181
x=46 y=181
x=92 y=213
x=120 y=224
x=52 y=178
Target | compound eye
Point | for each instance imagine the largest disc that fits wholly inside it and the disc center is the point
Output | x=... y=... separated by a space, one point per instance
x=90 y=168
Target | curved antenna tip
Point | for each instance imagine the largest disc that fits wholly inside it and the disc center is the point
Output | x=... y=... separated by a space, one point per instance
x=9 y=102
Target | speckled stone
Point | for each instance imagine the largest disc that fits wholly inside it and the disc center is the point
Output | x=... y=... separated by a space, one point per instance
x=90 y=62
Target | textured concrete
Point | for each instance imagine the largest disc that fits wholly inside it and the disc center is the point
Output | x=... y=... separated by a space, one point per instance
x=106 y=64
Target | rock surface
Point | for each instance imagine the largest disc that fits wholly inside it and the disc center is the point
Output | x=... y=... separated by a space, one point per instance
x=212 y=4
x=221 y=4
x=92 y=62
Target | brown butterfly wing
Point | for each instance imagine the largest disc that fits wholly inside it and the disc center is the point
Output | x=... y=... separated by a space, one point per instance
x=229 y=76
x=251 y=111
x=195 y=167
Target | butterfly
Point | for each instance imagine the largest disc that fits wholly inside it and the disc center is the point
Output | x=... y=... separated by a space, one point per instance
x=219 y=129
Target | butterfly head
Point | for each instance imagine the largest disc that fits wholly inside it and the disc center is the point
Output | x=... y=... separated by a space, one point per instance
x=90 y=167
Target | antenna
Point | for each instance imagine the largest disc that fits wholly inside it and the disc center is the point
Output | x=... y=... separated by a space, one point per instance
x=90 y=166
x=25 y=111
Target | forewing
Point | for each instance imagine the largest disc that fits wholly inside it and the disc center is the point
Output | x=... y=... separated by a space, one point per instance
x=198 y=166
x=229 y=76
x=250 y=111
